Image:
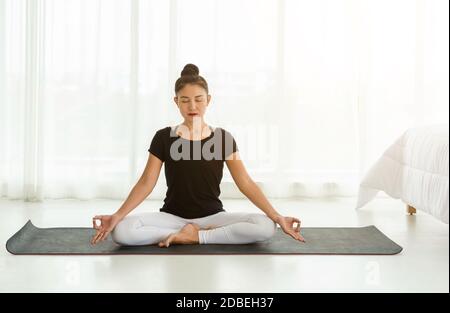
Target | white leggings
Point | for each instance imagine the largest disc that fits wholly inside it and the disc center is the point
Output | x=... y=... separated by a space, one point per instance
x=226 y=228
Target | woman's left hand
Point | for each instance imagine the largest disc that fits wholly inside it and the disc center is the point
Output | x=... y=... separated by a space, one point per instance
x=287 y=224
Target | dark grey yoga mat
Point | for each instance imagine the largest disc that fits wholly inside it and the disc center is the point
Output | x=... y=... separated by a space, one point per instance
x=319 y=240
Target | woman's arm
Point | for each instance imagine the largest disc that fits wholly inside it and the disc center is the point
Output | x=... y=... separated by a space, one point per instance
x=143 y=187
x=248 y=187
x=252 y=191
x=140 y=191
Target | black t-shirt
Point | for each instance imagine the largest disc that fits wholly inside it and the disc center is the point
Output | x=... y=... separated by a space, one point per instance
x=192 y=177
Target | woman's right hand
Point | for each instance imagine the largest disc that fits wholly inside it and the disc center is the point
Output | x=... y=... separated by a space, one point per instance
x=107 y=224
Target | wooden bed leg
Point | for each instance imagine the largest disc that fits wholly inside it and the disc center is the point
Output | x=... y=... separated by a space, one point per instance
x=410 y=209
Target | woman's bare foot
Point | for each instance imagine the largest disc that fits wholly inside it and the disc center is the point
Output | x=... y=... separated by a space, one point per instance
x=188 y=235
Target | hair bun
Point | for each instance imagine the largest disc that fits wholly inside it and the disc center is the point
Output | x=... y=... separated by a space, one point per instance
x=190 y=69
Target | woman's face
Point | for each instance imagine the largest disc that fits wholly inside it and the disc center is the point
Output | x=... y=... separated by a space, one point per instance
x=192 y=101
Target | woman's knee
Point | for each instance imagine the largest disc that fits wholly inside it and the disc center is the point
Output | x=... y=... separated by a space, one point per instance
x=122 y=233
x=267 y=227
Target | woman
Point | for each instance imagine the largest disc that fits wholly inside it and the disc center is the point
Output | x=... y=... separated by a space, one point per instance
x=192 y=212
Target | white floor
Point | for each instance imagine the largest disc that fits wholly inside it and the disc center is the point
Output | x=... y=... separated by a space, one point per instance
x=423 y=265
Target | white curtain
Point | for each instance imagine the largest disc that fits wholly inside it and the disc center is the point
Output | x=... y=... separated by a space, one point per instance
x=313 y=91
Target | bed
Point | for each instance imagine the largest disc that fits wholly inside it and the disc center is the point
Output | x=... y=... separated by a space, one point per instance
x=414 y=169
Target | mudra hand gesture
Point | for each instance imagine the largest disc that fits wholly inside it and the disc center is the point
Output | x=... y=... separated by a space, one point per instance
x=287 y=225
x=107 y=224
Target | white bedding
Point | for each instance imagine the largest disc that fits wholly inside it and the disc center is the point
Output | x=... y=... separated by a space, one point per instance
x=415 y=169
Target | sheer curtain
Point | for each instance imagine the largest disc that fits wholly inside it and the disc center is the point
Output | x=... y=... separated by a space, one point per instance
x=313 y=91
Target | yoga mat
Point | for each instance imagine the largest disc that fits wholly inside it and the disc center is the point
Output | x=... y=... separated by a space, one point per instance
x=319 y=240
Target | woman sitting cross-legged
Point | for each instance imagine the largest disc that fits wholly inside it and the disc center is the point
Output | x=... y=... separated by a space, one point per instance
x=194 y=153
